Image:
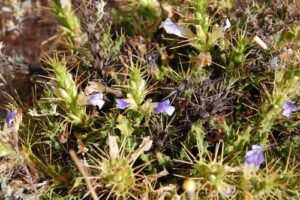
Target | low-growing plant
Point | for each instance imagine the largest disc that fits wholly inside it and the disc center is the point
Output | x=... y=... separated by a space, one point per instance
x=151 y=99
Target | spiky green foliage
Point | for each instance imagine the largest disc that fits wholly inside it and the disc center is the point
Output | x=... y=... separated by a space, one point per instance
x=66 y=90
x=101 y=124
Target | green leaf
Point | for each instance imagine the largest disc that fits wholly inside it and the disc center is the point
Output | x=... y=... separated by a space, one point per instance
x=124 y=126
x=196 y=136
x=216 y=34
x=77 y=183
x=5 y=151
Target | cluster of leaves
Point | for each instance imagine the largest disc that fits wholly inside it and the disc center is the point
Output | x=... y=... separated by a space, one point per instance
x=163 y=103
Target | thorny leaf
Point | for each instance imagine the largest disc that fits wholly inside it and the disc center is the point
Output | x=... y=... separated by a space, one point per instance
x=113 y=146
x=144 y=146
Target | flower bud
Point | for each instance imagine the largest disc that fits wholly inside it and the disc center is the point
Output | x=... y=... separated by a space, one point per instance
x=189 y=185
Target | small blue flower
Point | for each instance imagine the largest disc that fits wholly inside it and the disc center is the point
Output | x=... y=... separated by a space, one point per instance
x=164 y=107
x=226 y=24
x=175 y=29
x=96 y=100
x=122 y=104
x=255 y=156
x=10 y=117
x=288 y=108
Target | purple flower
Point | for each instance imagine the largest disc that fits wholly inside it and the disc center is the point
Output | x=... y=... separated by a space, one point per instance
x=163 y=107
x=288 y=108
x=226 y=190
x=226 y=24
x=10 y=117
x=175 y=29
x=255 y=156
x=122 y=104
x=96 y=100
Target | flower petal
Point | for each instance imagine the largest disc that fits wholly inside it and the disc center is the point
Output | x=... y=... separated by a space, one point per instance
x=96 y=100
x=226 y=24
x=173 y=28
x=255 y=156
x=122 y=104
x=287 y=113
x=161 y=106
x=170 y=110
x=257 y=147
x=10 y=117
x=288 y=108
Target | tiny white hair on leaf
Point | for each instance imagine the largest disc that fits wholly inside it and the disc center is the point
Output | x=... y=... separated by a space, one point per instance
x=175 y=29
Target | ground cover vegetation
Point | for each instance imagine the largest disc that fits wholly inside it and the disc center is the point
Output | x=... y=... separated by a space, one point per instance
x=149 y=99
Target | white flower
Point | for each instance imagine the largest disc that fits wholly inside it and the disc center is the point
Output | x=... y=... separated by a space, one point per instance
x=95 y=100
x=173 y=28
x=226 y=24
